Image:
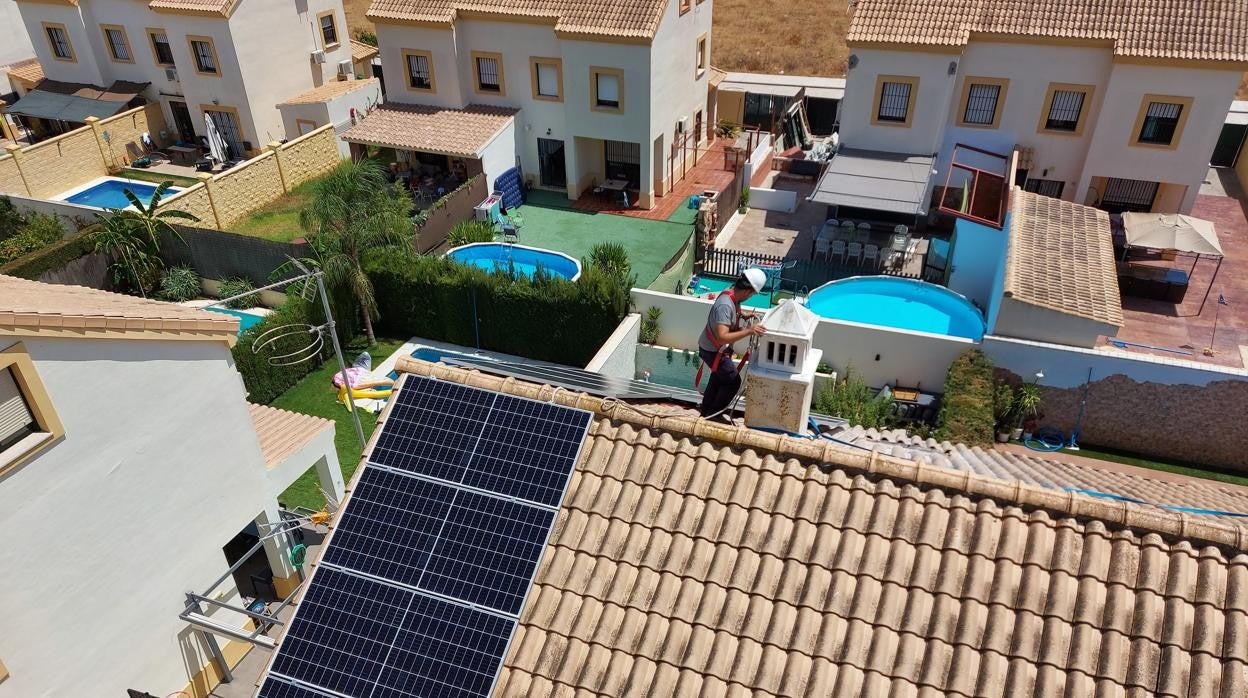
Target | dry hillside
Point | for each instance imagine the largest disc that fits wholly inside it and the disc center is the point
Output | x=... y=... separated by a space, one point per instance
x=797 y=37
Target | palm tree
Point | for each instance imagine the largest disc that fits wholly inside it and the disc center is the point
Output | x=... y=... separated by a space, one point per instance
x=355 y=214
x=132 y=235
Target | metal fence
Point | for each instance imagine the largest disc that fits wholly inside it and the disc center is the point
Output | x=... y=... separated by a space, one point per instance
x=796 y=275
x=216 y=254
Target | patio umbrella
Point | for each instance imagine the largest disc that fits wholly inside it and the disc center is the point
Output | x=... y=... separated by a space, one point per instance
x=216 y=144
x=1173 y=231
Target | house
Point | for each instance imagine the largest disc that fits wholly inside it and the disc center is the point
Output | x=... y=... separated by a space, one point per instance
x=15 y=44
x=129 y=460
x=573 y=92
x=759 y=100
x=690 y=558
x=233 y=60
x=1117 y=106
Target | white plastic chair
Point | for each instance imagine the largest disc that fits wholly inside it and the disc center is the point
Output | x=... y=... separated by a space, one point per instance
x=871 y=253
x=823 y=247
x=902 y=230
x=847 y=228
x=838 y=249
x=854 y=252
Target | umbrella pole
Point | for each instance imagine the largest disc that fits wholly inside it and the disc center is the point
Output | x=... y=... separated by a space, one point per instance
x=1210 y=288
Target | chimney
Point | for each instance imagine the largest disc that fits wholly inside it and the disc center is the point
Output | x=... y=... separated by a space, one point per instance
x=781 y=381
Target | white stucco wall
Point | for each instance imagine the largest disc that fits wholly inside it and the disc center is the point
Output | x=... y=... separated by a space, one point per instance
x=85 y=67
x=15 y=43
x=618 y=355
x=499 y=155
x=931 y=103
x=337 y=112
x=108 y=528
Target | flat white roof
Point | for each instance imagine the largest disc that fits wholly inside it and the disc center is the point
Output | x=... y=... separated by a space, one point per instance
x=1238 y=113
x=819 y=87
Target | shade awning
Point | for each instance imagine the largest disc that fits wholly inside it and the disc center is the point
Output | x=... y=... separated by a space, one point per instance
x=50 y=105
x=876 y=181
x=1173 y=231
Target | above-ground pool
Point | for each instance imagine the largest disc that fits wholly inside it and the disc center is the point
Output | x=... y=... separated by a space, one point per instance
x=906 y=304
x=107 y=192
x=525 y=260
x=246 y=320
x=712 y=286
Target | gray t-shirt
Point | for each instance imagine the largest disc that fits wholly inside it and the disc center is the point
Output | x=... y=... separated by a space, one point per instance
x=723 y=312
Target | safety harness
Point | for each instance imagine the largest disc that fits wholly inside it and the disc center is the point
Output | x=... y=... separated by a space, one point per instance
x=719 y=346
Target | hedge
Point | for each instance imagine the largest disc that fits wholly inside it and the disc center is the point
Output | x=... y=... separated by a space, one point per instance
x=966 y=409
x=266 y=382
x=545 y=318
x=55 y=256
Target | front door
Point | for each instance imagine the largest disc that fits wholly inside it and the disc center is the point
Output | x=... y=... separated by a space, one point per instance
x=553 y=166
x=182 y=121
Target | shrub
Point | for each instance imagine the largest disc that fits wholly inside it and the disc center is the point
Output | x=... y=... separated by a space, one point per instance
x=545 y=317
x=610 y=257
x=744 y=201
x=966 y=410
x=36 y=232
x=855 y=402
x=235 y=286
x=179 y=284
x=366 y=37
x=649 y=331
x=265 y=382
x=10 y=219
x=55 y=256
x=470 y=231
x=727 y=129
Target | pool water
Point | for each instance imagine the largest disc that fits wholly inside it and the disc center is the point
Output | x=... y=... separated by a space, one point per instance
x=109 y=193
x=906 y=304
x=427 y=354
x=714 y=284
x=493 y=256
x=246 y=321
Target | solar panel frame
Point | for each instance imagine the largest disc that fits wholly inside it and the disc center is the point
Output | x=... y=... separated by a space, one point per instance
x=277 y=687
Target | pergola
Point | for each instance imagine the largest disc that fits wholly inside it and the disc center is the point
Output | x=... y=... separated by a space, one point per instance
x=1178 y=233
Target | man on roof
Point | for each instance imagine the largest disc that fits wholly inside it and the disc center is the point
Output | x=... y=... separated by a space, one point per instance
x=723 y=329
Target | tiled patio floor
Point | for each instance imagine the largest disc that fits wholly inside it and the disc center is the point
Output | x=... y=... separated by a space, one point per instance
x=1160 y=324
x=707 y=174
x=788 y=235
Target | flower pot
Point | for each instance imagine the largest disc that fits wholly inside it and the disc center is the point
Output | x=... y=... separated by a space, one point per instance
x=1003 y=436
x=1016 y=434
x=1026 y=435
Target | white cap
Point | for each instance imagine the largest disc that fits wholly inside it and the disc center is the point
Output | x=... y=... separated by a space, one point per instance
x=756 y=277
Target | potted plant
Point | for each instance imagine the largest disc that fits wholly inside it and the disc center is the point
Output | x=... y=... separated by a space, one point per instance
x=1003 y=403
x=1027 y=406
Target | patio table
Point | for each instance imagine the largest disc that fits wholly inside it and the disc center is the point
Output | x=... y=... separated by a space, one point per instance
x=183 y=155
x=615 y=184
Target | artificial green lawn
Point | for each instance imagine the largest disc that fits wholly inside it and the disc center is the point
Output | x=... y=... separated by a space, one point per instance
x=1189 y=470
x=550 y=222
x=315 y=395
x=278 y=221
x=157 y=177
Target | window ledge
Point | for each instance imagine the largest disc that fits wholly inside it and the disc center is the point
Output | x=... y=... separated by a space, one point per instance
x=24 y=449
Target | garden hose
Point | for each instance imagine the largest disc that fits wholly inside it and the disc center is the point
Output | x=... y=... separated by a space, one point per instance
x=1046 y=439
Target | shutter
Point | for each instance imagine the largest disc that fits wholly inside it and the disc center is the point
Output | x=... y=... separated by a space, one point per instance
x=16 y=421
x=1164 y=110
x=608 y=88
x=547 y=80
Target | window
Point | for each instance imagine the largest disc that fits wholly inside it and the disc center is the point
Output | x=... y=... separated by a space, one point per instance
x=1065 y=110
x=329 y=29
x=419 y=70
x=607 y=86
x=27 y=421
x=161 y=51
x=685 y=6
x=894 y=100
x=1123 y=195
x=58 y=40
x=305 y=126
x=701 y=55
x=1046 y=187
x=487 y=69
x=547 y=74
x=982 y=99
x=623 y=161
x=1161 y=120
x=205 y=55
x=118 y=43
x=226 y=121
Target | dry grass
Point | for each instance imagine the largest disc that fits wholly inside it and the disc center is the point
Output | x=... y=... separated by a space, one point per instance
x=796 y=37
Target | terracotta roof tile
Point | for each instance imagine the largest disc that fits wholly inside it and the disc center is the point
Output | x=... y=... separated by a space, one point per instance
x=1183 y=29
x=29 y=70
x=31 y=307
x=282 y=433
x=801 y=569
x=330 y=91
x=1061 y=257
x=457 y=132
x=206 y=7
x=361 y=51
x=630 y=19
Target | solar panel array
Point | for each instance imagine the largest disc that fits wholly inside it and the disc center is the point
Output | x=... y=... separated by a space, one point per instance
x=421 y=585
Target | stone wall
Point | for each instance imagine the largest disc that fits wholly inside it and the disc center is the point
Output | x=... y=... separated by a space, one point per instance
x=51 y=167
x=242 y=190
x=195 y=201
x=309 y=156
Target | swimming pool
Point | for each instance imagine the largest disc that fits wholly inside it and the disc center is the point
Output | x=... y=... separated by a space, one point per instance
x=525 y=260
x=906 y=304
x=428 y=354
x=107 y=192
x=246 y=321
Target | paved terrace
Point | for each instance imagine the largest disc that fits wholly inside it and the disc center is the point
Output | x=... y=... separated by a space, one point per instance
x=710 y=173
x=1160 y=324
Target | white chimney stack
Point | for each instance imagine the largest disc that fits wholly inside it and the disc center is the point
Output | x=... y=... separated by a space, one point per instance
x=781 y=381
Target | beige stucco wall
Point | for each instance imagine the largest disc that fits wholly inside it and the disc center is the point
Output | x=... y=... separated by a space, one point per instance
x=246 y=189
x=194 y=201
x=10 y=176
x=309 y=156
x=129 y=127
x=1025 y=321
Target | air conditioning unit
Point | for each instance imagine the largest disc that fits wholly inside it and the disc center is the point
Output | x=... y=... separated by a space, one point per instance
x=682 y=125
x=345 y=68
x=318 y=56
x=171 y=74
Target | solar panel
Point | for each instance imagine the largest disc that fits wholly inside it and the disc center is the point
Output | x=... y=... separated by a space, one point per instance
x=577 y=379
x=422 y=582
